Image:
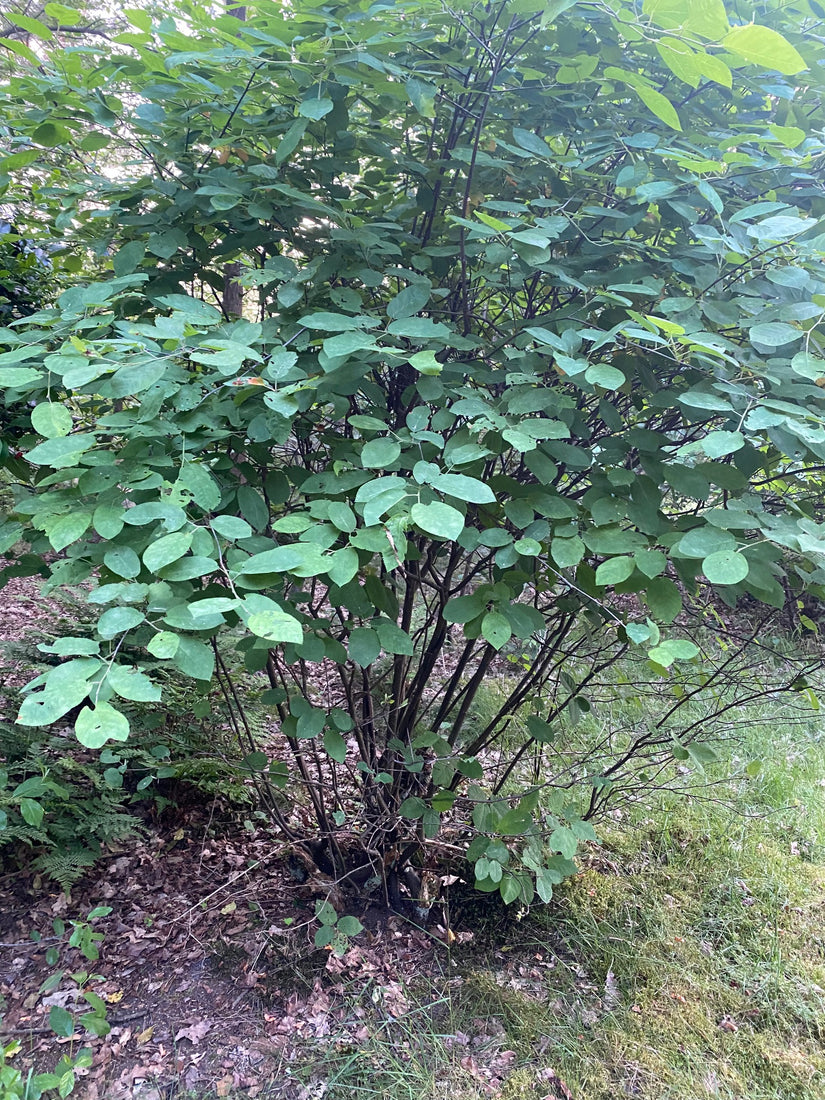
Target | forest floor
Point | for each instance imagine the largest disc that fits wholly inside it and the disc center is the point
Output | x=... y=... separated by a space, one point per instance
x=686 y=959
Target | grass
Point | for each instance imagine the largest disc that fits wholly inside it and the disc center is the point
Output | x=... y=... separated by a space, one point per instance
x=686 y=960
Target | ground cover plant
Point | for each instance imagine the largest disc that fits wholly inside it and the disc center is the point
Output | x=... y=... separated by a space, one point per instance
x=409 y=343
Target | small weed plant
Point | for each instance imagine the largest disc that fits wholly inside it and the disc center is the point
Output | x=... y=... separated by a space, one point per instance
x=62 y=1081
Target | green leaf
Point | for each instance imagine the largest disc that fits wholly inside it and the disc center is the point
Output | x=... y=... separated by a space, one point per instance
x=66 y=685
x=289 y=143
x=340 y=513
x=324 y=935
x=255 y=761
x=422 y=96
x=707 y=18
x=567 y=553
x=465 y=488
x=123 y=561
x=412 y=808
x=701 y=754
x=94 y=727
x=204 y=489
x=131 y=684
x=419 y=328
x=725 y=567
x=195 y=658
x=325 y=321
x=410 y=301
x=275 y=625
x=604 y=375
x=12 y=377
x=129 y=257
x=301 y=558
x=650 y=562
x=564 y=840
x=774 y=334
x=51 y=420
x=19 y=48
x=790 y=136
x=526 y=139
x=663 y=599
x=393 y=639
x=718 y=444
x=31 y=812
x=20 y=354
x=335 y=746
x=253 y=507
x=715 y=69
x=231 y=527
x=514 y=822
x=69 y=646
x=706 y=540
x=315 y=107
x=659 y=104
x=167 y=549
x=426 y=363
x=191 y=309
x=164 y=645
x=108 y=521
x=438 y=519
x=342 y=565
x=95 y=1024
x=61 y=1022
x=462 y=609
x=544 y=884
x=682 y=61
x=117 y=620
x=380 y=453
x=31 y=25
x=350 y=926
x=673 y=649
x=540 y=730
x=510 y=889
x=614 y=571
x=363 y=646
x=552 y=10
x=68 y=529
x=60 y=452
x=325 y=912
x=496 y=629
x=764 y=47
x=346 y=343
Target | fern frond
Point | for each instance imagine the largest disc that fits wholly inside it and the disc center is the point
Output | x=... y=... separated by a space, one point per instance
x=65 y=865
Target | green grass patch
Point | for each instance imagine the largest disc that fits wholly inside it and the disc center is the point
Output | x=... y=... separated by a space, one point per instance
x=686 y=960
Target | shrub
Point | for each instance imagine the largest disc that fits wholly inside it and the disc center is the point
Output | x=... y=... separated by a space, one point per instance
x=528 y=358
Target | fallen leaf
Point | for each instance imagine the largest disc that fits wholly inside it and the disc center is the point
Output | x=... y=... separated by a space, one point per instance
x=195 y=1032
x=560 y=1089
x=612 y=993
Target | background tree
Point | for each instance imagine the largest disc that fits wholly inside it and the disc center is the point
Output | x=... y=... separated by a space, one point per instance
x=530 y=361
